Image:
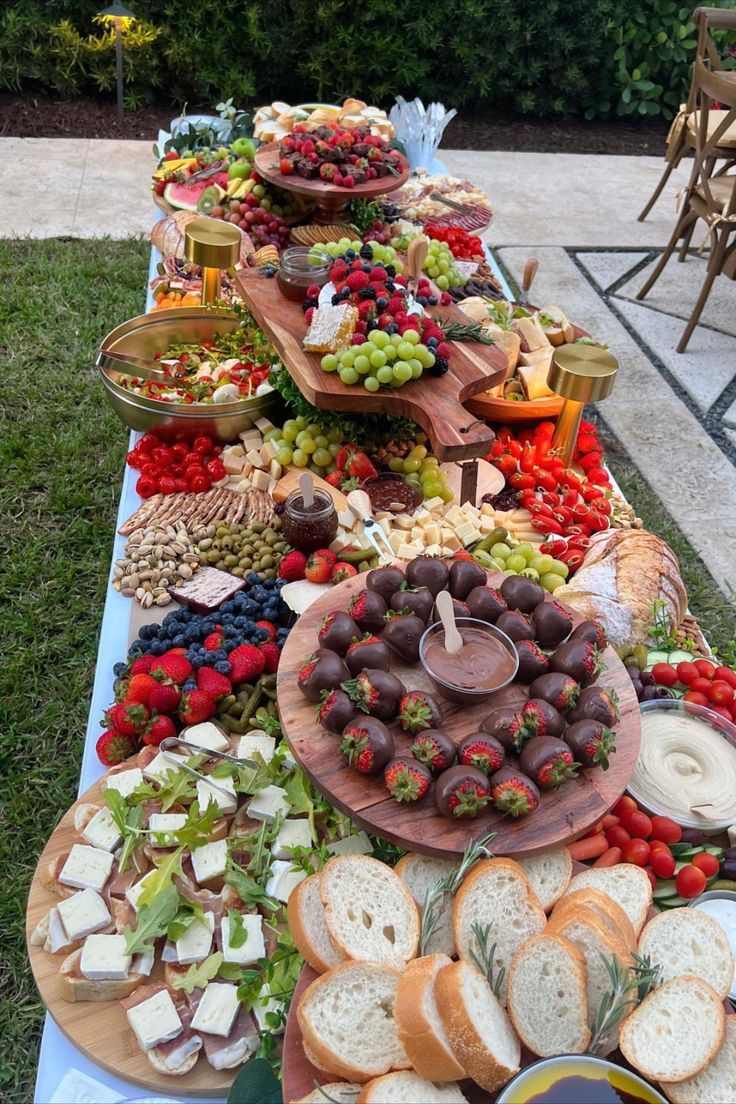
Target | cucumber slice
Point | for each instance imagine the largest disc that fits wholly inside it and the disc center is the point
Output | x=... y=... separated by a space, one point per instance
x=657 y=657
x=673 y=902
x=679 y=657
x=688 y=852
x=665 y=888
x=679 y=848
x=713 y=850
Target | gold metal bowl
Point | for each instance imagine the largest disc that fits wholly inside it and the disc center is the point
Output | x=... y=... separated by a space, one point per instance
x=148 y=334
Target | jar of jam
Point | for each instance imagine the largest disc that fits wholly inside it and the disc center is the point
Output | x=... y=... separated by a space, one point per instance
x=298 y=271
x=309 y=527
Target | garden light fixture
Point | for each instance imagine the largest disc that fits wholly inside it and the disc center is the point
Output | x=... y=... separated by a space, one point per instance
x=121 y=16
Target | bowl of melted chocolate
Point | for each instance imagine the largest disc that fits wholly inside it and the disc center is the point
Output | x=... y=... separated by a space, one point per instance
x=578 y=1079
x=487 y=660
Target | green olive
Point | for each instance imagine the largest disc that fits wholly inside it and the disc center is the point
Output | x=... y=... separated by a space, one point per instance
x=280 y=546
x=276 y=523
x=222 y=531
x=266 y=561
x=212 y=557
x=220 y=565
x=227 y=542
x=257 y=526
x=246 y=562
x=269 y=573
x=231 y=561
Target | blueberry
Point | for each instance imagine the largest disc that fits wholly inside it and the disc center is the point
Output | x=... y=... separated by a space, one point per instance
x=134 y=652
x=169 y=619
x=261 y=635
x=252 y=578
x=196 y=663
x=432 y=343
x=220 y=654
x=223 y=667
x=433 y=300
x=350 y=254
x=147 y=631
x=381 y=303
x=180 y=640
x=157 y=648
x=119 y=669
x=365 y=268
x=190 y=684
x=165 y=643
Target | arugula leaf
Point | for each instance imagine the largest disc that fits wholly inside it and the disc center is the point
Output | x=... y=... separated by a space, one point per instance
x=153 y=920
x=199 y=975
x=301 y=797
x=178 y=787
x=248 y=888
x=309 y=859
x=249 y=780
x=236 y=929
x=230 y=971
x=161 y=878
x=128 y=820
x=198 y=828
x=185 y=917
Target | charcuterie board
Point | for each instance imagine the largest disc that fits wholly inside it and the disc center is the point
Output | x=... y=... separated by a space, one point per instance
x=435 y=403
x=562 y=815
x=100 y=1030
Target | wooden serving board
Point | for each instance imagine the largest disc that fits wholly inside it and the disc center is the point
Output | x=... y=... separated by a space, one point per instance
x=100 y=1030
x=435 y=403
x=562 y=815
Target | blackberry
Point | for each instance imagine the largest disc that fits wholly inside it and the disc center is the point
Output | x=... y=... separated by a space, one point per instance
x=371 y=326
x=367 y=293
x=350 y=254
x=439 y=367
x=367 y=253
x=432 y=343
x=311 y=301
x=391 y=270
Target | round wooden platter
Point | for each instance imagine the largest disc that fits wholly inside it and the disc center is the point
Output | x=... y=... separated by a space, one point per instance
x=330 y=201
x=101 y=1030
x=562 y=815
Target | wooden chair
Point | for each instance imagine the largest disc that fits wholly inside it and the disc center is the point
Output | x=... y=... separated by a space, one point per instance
x=709 y=196
x=681 y=137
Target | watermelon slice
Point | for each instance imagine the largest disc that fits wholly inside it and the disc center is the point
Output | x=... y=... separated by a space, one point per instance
x=186 y=196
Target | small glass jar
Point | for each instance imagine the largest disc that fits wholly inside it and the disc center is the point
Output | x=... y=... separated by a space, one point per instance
x=309 y=528
x=299 y=268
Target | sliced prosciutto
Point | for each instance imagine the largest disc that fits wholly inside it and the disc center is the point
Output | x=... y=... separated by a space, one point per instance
x=240 y=1044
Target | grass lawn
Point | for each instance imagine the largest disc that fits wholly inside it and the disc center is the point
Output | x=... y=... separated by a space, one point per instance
x=62 y=453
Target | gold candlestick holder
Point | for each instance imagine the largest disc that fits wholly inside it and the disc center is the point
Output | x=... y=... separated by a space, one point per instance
x=214 y=245
x=580 y=373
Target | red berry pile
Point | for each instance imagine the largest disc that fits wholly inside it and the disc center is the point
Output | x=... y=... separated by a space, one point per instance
x=170 y=468
x=702 y=682
x=342 y=158
x=464 y=246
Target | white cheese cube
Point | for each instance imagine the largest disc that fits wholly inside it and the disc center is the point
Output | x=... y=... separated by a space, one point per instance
x=422 y=516
x=154 y=1020
x=432 y=533
x=233 y=459
x=409 y=551
x=254 y=457
x=56 y=937
x=487 y=510
x=467 y=533
x=133 y=893
x=487 y=524
x=433 y=550
x=346 y=518
x=86 y=867
x=263 y=1004
x=417 y=534
x=104 y=958
x=341 y=541
x=125 y=781
x=161 y=825
x=283 y=880
x=435 y=503
x=358 y=844
x=257 y=742
x=82 y=914
x=206 y=735
x=263 y=424
x=471 y=512
x=217 y=1009
x=260 y=480
x=445 y=532
x=396 y=539
x=268 y=803
x=227 y=801
x=166 y=762
x=403 y=521
x=455 y=516
x=210 y=860
x=143 y=963
x=254 y=946
x=275 y=470
x=451 y=542
x=292 y=833
x=268 y=452
x=196 y=941
x=101 y=831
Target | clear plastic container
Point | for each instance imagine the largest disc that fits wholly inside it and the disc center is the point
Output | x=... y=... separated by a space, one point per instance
x=309 y=528
x=463 y=694
x=297 y=271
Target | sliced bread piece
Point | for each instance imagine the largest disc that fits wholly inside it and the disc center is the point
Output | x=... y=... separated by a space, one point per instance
x=627 y=884
x=369 y=912
x=342 y=1092
x=689 y=941
x=421 y=1029
x=306 y=916
x=347 y=1021
x=420 y=873
x=547 y=997
x=408 y=1088
x=496 y=895
x=715 y=1084
x=549 y=874
x=480 y=1033
x=606 y=909
x=676 y=1031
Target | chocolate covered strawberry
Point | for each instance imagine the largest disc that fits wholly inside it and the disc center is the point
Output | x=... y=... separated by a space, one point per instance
x=366 y=744
x=532 y=661
x=335 y=710
x=434 y=748
x=552 y=623
x=337 y=631
x=559 y=690
x=376 y=692
x=592 y=631
x=406 y=779
x=402 y=634
x=591 y=743
x=462 y=792
x=418 y=710
x=597 y=704
x=368 y=610
x=507 y=726
x=419 y=601
x=513 y=793
x=385 y=580
x=482 y=751
x=548 y=761
x=580 y=659
x=368 y=651
x=323 y=670
x=539 y=718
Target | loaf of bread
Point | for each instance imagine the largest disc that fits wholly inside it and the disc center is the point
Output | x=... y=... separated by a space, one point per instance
x=168 y=236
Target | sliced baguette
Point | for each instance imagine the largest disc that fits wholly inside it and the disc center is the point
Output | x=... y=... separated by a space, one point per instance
x=715 y=1084
x=480 y=1033
x=496 y=894
x=369 y=912
x=420 y=1026
x=676 y=1031
x=306 y=916
x=606 y=909
x=549 y=874
x=420 y=873
x=627 y=884
x=347 y=1021
x=74 y=987
x=343 y=1092
x=689 y=941
x=547 y=997
x=159 y=1063
x=408 y=1088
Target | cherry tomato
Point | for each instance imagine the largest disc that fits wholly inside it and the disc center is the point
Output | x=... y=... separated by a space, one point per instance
x=520 y=481
x=637 y=852
x=199 y=482
x=701 y=686
x=690 y=881
x=727 y=675
x=146 y=487
x=706 y=862
x=720 y=692
x=148 y=442
x=180 y=451
x=695 y=697
x=662 y=863
x=664 y=674
x=162 y=456
x=515 y=448
x=216 y=468
x=625 y=804
x=706 y=669
x=167 y=484
x=651 y=876
x=657 y=845
x=203 y=445
x=638 y=824
x=506 y=465
x=686 y=672
x=666 y=830
x=617 y=836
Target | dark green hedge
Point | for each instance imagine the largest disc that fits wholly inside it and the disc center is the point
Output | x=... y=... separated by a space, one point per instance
x=552 y=57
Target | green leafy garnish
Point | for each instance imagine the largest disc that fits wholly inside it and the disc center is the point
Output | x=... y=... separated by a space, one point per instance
x=153 y=921
x=446 y=888
x=485 y=957
x=248 y=889
x=128 y=820
x=185 y=917
x=178 y=787
x=237 y=935
x=199 y=975
x=301 y=797
x=627 y=987
x=161 y=878
x=309 y=859
x=198 y=828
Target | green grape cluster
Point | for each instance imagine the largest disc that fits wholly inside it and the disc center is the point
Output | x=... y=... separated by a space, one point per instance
x=440 y=266
x=306 y=445
x=423 y=472
x=384 y=360
x=382 y=254
x=525 y=559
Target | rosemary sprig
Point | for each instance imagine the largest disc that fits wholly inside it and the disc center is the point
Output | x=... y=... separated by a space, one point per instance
x=484 y=959
x=448 y=886
x=465 y=331
x=347 y=1091
x=629 y=986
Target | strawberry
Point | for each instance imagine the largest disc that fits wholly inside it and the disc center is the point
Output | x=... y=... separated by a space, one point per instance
x=342 y=571
x=292 y=566
x=246 y=663
x=213 y=642
x=158 y=729
x=433 y=748
x=366 y=744
x=272 y=652
x=172 y=668
x=196 y=706
x=539 y=718
x=165 y=698
x=269 y=627
x=482 y=751
x=138 y=689
x=113 y=747
x=218 y=686
x=513 y=793
x=142 y=665
x=360 y=466
x=462 y=792
x=334 y=478
x=418 y=710
x=591 y=742
x=319 y=565
x=127 y=720
x=548 y=761
x=406 y=779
